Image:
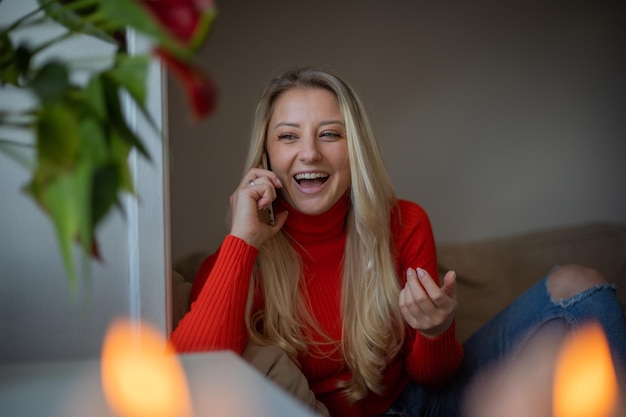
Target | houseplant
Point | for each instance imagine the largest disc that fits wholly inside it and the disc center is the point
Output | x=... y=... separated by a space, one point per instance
x=77 y=157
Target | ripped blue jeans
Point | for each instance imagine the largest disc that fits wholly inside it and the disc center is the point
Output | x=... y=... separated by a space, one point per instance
x=507 y=333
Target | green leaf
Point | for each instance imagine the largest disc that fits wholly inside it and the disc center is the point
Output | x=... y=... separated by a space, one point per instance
x=67 y=201
x=93 y=97
x=51 y=81
x=116 y=119
x=64 y=214
x=93 y=142
x=58 y=137
x=129 y=76
x=119 y=154
x=105 y=189
x=9 y=70
x=131 y=73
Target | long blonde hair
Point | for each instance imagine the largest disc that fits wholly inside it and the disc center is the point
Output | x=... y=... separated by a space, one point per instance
x=373 y=328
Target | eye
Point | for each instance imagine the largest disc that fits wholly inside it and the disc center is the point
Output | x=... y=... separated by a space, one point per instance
x=287 y=137
x=330 y=135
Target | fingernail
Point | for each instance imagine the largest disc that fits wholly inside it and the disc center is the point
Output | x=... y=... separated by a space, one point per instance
x=420 y=272
x=410 y=272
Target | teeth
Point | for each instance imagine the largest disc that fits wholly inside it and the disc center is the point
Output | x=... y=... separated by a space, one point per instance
x=310 y=176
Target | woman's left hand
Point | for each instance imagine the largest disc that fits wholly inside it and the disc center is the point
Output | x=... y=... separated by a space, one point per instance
x=425 y=306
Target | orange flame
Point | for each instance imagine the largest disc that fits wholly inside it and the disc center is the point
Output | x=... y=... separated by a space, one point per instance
x=141 y=375
x=585 y=383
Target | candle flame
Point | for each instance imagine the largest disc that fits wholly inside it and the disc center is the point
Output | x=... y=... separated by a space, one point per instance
x=141 y=375
x=585 y=383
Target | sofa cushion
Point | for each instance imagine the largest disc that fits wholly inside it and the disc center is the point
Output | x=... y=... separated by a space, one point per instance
x=189 y=265
x=181 y=289
x=492 y=273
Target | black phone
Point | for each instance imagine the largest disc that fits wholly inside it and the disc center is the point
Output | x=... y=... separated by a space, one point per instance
x=267 y=215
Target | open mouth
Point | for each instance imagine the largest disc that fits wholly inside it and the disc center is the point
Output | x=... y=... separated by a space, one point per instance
x=311 y=179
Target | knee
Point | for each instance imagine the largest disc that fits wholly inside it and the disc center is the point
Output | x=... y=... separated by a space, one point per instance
x=569 y=280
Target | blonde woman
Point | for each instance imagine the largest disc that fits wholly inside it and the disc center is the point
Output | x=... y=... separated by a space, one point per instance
x=343 y=281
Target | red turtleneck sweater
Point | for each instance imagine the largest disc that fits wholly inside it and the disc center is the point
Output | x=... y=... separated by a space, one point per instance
x=217 y=317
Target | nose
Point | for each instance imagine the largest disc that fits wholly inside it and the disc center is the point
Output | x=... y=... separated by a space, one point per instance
x=309 y=149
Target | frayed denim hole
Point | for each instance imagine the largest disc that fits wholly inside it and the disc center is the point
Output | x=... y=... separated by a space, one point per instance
x=565 y=303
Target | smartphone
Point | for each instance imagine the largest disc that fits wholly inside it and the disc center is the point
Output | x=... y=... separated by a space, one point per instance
x=267 y=215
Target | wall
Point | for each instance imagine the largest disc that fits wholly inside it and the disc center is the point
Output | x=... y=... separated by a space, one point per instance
x=497 y=117
x=40 y=317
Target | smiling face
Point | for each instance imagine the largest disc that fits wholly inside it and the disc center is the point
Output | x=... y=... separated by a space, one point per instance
x=308 y=150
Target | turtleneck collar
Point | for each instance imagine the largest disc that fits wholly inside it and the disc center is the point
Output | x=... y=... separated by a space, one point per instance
x=305 y=228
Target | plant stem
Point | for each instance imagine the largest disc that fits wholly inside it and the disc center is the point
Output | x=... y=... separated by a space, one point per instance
x=52 y=41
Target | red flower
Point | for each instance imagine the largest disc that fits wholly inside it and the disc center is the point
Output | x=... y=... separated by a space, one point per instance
x=185 y=19
x=189 y=22
x=199 y=87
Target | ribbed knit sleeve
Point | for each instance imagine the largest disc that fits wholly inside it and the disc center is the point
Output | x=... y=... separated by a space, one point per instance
x=216 y=320
x=430 y=362
x=414 y=240
x=433 y=361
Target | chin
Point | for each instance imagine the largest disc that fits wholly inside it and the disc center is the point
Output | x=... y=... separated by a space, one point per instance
x=313 y=204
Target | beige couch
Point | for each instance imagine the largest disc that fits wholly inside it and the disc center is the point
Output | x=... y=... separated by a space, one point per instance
x=491 y=273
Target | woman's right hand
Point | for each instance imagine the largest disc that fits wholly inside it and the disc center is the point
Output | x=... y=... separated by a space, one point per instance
x=256 y=191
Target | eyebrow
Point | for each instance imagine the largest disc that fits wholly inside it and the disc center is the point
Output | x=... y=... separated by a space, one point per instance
x=322 y=123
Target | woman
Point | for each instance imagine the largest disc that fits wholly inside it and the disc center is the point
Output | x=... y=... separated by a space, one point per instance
x=345 y=279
